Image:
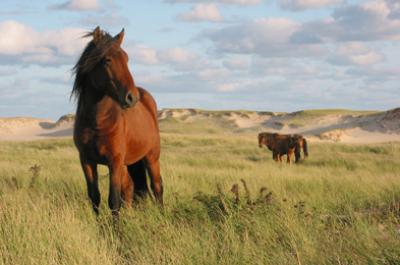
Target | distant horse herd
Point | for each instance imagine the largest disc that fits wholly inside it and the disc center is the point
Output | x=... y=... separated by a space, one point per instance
x=284 y=144
x=116 y=125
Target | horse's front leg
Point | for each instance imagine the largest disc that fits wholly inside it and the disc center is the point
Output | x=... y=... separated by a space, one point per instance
x=289 y=153
x=274 y=155
x=153 y=166
x=90 y=172
x=117 y=172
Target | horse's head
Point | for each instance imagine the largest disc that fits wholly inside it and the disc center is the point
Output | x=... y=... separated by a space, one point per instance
x=262 y=140
x=266 y=139
x=292 y=141
x=103 y=70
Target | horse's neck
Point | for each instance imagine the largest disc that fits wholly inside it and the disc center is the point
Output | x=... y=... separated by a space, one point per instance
x=108 y=113
x=100 y=115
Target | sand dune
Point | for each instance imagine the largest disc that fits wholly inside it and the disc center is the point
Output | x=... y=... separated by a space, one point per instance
x=24 y=128
x=318 y=125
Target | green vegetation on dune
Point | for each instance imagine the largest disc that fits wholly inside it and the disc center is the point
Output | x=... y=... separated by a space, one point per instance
x=321 y=112
x=205 y=125
x=339 y=206
x=225 y=118
x=217 y=112
x=301 y=118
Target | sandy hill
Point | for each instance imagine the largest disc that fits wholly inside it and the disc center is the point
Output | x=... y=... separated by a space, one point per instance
x=25 y=128
x=318 y=125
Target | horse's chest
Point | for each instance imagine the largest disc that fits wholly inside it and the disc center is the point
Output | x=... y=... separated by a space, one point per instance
x=92 y=146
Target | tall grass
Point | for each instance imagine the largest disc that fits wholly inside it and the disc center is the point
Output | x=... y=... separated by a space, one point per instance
x=340 y=206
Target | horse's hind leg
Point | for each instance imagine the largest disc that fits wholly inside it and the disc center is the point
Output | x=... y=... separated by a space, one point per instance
x=297 y=155
x=90 y=171
x=156 y=180
x=137 y=171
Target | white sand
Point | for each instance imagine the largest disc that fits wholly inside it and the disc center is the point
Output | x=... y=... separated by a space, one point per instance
x=23 y=129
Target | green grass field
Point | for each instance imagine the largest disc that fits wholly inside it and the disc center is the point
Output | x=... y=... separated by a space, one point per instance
x=340 y=206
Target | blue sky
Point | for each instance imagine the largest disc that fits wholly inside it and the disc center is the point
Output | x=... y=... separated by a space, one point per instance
x=278 y=55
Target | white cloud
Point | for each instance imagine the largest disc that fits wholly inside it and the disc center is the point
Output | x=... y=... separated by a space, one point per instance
x=16 y=38
x=267 y=37
x=228 y=2
x=296 y=5
x=394 y=6
x=236 y=63
x=241 y=2
x=253 y=35
x=376 y=6
x=213 y=74
x=7 y=71
x=20 y=43
x=380 y=74
x=202 y=12
x=105 y=19
x=78 y=5
x=368 y=21
x=287 y=68
x=227 y=87
x=371 y=57
x=355 y=53
x=177 y=56
x=142 y=54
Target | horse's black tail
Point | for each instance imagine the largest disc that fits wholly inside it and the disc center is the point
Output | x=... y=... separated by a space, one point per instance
x=305 y=147
x=137 y=171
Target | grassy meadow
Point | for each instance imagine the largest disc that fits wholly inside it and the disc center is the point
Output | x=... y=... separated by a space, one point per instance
x=339 y=206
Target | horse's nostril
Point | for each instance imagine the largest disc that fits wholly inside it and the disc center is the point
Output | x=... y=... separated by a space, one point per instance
x=129 y=98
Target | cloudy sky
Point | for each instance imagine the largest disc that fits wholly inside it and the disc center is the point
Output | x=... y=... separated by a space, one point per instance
x=279 y=55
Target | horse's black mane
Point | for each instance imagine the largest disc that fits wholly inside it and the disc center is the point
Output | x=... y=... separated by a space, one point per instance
x=95 y=50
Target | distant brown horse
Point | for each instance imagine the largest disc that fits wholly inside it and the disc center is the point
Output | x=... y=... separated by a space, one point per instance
x=116 y=123
x=282 y=144
x=301 y=144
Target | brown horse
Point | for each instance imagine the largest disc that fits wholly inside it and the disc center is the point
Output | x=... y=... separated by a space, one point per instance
x=282 y=144
x=301 y=145
x=116 y=124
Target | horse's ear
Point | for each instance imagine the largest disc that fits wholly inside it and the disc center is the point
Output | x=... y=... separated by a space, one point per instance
x=96 y=34
x=119 y=37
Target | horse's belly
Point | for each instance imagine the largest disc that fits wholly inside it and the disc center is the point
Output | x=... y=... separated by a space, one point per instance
x=130 y=150
x=142 y=136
